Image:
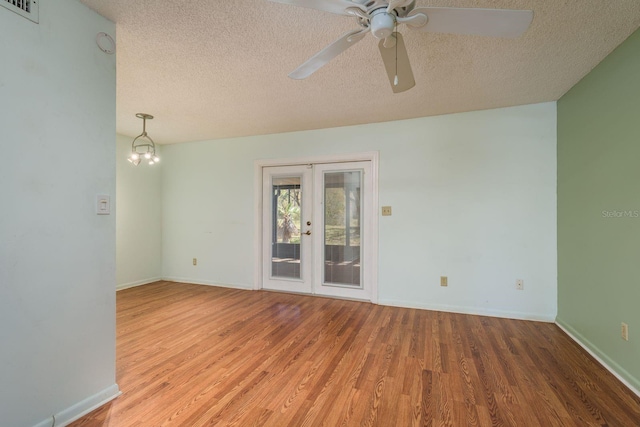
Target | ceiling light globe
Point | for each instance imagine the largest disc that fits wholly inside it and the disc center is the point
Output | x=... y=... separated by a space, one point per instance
x=147 y=155
x=135 y=156
x=156 y=159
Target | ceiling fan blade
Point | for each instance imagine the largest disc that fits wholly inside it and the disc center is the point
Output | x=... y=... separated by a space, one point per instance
x=394 y=4
x=399 y=71
x=475 y=22
x=316 y=62
x=332 y=6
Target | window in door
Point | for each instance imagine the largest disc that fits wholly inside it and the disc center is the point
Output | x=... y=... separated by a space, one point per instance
x=285 y=238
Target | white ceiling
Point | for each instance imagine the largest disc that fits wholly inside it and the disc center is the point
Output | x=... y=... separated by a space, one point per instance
x=216 y=69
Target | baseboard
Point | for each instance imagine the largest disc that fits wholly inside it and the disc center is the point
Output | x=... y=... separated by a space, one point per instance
x=137 y=283
x=81 y=408
x=470 y=310
x=616 y=370
x=207 y=283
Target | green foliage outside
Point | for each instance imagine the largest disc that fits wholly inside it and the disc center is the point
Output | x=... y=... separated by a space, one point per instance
x=335 y=209
x=288 y=220
x=288 y=215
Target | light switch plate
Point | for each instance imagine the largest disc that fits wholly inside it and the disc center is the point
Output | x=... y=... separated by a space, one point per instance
x=103 y=204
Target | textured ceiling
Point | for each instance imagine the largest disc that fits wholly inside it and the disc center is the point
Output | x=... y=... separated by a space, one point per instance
x=215 y=69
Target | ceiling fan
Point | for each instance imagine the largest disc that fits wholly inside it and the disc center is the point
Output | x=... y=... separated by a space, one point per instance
x=381 y=18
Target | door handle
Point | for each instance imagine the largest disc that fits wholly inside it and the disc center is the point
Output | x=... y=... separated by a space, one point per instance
x=308 y=233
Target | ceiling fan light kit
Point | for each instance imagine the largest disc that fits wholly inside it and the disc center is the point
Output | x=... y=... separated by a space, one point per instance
x=382 y=24
x=381 y=18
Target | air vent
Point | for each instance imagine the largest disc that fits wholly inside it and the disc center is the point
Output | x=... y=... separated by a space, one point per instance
x=26 y=8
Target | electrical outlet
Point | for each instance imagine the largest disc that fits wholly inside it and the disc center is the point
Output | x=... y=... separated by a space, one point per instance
x=195 y=261
x=624 y=331
x=386 y=211
x=444 y=281
x=520 y=284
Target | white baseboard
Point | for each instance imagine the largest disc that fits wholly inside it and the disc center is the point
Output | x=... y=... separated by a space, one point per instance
x=208 y=283
x=137 y=283
x=405 y=304
x=72 y=413
x=616 y=370
x=470 y=310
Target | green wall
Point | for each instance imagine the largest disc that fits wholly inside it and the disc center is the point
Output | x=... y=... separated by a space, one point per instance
x=599 y=209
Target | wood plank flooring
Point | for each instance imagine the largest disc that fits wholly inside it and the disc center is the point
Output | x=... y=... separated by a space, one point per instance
x=190 y=355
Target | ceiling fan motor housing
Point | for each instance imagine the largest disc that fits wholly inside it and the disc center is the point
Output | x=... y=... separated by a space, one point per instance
x=382 y=24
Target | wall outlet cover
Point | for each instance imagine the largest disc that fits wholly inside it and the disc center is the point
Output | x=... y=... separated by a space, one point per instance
x=624 y=331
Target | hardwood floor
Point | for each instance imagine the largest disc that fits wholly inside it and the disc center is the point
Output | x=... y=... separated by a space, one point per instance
x=190 y=355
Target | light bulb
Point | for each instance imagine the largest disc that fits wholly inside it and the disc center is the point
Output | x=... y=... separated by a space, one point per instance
x=395 y=81
x=135 y=156
x=151 y=162
x=147 y=155
x=156 y=159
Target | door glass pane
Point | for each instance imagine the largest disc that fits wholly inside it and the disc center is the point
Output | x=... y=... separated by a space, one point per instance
x=285 y=227
x=342 y=197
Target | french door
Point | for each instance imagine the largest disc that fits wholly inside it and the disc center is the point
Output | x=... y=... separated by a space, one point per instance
x=317 y=223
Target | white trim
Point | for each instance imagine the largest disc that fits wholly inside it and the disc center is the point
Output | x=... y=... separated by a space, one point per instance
x=372 y=156
x=137 y=283
x=477 y=311
x=374 y=226
x=597 y=354
x=331 y=158
x=257 y=224
x=207 y=283
x=82 y=408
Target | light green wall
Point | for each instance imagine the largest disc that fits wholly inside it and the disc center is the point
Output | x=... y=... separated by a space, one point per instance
x=473 y=197
x=598 y=174
x=57 y=257
x=138 y=219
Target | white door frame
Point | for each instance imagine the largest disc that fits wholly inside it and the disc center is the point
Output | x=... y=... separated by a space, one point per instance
x=371 y=156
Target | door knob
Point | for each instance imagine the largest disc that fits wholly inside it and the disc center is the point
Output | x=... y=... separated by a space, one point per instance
x=308 y=222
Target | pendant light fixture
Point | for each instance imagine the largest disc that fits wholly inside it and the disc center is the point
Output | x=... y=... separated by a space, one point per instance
x=143 y=146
